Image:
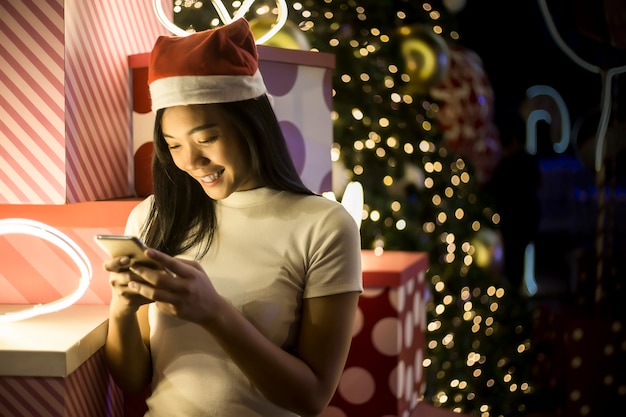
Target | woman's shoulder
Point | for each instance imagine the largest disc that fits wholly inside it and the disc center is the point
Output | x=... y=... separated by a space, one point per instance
x=331 y=212
x=138 y=215
x=143 y=207
x=315 y=200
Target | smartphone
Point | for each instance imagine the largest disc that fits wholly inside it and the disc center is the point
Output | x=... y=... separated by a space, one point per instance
x=123 y=245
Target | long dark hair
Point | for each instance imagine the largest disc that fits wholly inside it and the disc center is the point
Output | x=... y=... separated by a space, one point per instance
x=182 y=214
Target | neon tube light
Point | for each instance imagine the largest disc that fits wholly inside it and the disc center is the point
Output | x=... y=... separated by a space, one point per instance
x=63 y=242
x=352 y=200
x=225 y=17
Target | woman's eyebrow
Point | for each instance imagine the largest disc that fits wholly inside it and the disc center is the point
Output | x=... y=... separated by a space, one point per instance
x=194 y=130
x=201 y=127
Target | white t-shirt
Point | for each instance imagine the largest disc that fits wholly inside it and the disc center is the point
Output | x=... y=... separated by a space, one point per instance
x=271 y=249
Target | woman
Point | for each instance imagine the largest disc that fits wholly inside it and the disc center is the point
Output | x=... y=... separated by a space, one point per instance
x=252 y=311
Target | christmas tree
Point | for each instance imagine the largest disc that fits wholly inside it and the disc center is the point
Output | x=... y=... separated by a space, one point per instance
x=422 y=192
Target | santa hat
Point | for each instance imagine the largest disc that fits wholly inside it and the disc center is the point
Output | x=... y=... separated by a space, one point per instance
x=213 y=66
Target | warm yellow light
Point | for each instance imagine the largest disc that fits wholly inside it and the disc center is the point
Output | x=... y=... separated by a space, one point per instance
x=63 y=242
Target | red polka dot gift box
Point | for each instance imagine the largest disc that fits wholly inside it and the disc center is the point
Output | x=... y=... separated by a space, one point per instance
x=383 y=376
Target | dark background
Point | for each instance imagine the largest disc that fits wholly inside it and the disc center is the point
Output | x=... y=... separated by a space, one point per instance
x=518 y=51
x=513 y=40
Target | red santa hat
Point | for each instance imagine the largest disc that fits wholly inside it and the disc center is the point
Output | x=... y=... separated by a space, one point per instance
x=213 y=66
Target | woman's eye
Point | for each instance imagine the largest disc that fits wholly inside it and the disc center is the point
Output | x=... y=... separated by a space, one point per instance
x=172 y=147
x=208 y=140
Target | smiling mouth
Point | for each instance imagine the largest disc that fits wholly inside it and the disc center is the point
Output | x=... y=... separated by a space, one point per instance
x=212 y=177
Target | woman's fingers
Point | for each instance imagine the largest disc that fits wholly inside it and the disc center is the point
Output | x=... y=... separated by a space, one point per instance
x=162 y=284
x=175 y=288
x=117 y=264
x=163 y=290
x=177 y=266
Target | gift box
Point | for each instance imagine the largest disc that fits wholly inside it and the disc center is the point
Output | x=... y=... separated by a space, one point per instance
x=384 y=375
x=53 y=366
x=34 y=271
x=595 y=366
x=65 y=127
x=580 y=368
x=61 y=352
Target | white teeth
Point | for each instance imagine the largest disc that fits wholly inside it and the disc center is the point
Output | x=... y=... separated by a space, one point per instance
x=212 y=177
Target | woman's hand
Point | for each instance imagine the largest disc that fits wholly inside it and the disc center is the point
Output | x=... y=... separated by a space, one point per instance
x=128 y=337
x=181 y=289
x=119 y=279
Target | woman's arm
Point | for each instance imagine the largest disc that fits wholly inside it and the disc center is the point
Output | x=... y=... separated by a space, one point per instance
x=126 y=347
x=303 y=382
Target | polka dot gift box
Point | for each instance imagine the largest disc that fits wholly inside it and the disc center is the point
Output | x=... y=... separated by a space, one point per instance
x=383 y=376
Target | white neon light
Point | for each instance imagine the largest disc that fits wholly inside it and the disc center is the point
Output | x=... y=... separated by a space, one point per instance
x=226 y=18
x=543 y=7
x=530 y=283
x=544 y=90
x=605 y=115
x=352 y=200
x=531 y=128
x=243 y=9
x=221 y=11
x=165 y=21
x=607 y=78
x=63 y=242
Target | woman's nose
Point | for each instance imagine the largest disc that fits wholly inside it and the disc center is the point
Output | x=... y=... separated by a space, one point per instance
x=192 y=159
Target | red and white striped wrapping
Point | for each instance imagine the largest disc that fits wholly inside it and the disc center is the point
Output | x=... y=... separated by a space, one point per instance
x=88 y=391
x=32 y=271
x=64 y=97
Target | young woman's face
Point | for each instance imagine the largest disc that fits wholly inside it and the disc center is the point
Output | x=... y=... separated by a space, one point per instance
x=205 y=144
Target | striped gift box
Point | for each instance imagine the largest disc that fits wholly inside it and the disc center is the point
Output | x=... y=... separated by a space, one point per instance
x=33 y=271
x=64 y=97
x=89 y=391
